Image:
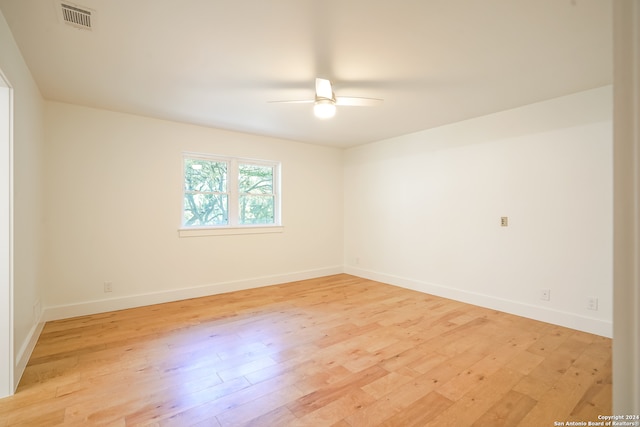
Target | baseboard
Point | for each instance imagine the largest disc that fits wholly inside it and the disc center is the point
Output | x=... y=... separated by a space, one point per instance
x=131 y=301
x=556 y=317
x=22 y=358
x=561 y=318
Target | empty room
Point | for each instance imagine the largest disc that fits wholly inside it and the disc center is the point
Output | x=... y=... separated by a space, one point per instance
x=319 y=213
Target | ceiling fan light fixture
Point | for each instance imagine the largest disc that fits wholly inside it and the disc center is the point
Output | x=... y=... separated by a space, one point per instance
x=324 y=108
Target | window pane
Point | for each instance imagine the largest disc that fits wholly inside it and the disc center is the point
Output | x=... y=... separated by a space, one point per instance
x=256 y=210
x=205 y=209
x=205 y=175
x=256 y=179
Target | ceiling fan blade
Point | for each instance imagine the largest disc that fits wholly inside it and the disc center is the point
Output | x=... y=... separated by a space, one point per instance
x=354 y=101
x=294 y=101
x=323 y=88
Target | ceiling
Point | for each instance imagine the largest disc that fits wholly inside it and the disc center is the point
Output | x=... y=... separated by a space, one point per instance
x=218 y=63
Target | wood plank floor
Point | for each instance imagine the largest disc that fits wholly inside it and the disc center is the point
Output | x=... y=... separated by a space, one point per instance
x=335 y=351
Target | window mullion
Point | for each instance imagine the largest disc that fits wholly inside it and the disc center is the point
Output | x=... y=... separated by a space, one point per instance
x=232 y=180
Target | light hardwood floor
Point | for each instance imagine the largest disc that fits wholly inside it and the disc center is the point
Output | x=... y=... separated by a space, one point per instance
x=335 y=351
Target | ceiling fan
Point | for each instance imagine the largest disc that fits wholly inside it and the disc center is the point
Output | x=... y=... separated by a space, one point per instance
x=325 y=102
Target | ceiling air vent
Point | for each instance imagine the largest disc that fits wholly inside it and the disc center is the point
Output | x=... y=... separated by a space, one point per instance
x=75 y=16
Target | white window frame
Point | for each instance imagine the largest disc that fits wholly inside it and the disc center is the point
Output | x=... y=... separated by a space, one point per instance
x=233 y=203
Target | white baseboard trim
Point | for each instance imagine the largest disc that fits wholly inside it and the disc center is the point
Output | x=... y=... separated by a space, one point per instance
x=101 y=306
x=561 y=318
x=556 y=317
x=22 y=358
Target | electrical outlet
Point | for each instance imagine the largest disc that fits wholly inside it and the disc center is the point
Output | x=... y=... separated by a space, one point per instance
x=108 y=286
x=504 y=221
x=592 y=303
x=545 y=294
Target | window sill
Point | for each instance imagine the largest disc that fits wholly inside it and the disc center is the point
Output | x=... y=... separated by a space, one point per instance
x=227 y=231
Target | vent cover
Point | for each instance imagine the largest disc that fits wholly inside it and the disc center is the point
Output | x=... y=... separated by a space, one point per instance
x=76 y=16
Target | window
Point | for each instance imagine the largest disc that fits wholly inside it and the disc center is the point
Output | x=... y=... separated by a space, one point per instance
x=226 y=192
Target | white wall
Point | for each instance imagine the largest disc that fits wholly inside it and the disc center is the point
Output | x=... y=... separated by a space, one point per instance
x=423 y=210
x=27 y=203
x=114 y=193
